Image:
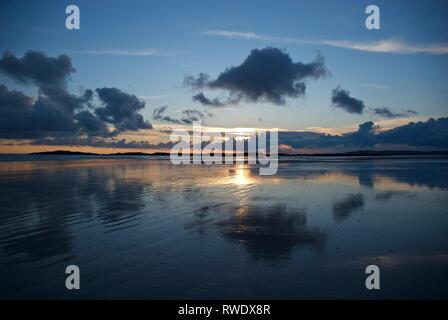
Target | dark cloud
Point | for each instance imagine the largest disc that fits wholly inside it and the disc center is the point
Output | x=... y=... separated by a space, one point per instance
x=63 y=114
x=22 y=117
x=267 y=74
x=46 y=72
x=56 y=112
x=91 y=124
x=188 y=115
x=53 y=112
x=431 y=133
x=14 y=100
x=121 y=109
x=341 y=98
x=364 y=136
x=217 y=102
x=202 y=99
x=388 y=113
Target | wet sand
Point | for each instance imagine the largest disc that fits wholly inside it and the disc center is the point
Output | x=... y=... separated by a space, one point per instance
x=144 y=228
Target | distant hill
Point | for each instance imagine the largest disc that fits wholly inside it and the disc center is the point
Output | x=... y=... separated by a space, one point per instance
x=364 y=153
x=360 y=153
x=78 y=153
x=139 y=154
x=64 y=152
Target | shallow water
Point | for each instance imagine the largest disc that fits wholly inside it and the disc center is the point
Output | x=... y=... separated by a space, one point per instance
x=144 y=228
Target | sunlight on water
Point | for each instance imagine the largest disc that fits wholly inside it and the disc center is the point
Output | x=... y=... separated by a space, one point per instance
x=241 y=176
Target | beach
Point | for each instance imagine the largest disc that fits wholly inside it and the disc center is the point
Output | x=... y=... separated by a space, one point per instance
x=144 y=228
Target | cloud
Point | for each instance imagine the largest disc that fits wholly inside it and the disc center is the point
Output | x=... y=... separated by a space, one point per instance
x=389 y=46
x=91 y=124
x=188 y=115
x=46 y=72
x=267 y=74
x=198 y=82
x=22 y=117
x=195 y=112
x=385 y=112
x=363 y=137
x=121 y=109
x=432 y=133
x=238 y=34
x=233 y=99
x=132 y=53
x=91 y=142
x=375 y=86
x=157 y=114
x=381 y=46
x=341 y=98
x=215 y=102
x=101 y=143
x=56 y=112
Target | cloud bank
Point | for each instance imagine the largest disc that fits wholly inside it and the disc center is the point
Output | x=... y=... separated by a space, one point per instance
x=432 y=133
x=56 y=112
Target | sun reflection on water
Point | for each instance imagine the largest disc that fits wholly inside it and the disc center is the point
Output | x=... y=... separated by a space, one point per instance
x=241 y=176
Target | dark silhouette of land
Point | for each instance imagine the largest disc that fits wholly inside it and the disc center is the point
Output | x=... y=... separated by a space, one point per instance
x=78 y=153
x=360 y=153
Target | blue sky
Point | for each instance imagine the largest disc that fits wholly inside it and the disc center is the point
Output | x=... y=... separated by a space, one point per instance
x=147 y=47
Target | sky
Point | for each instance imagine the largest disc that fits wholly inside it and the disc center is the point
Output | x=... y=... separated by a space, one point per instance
x=300 y=66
